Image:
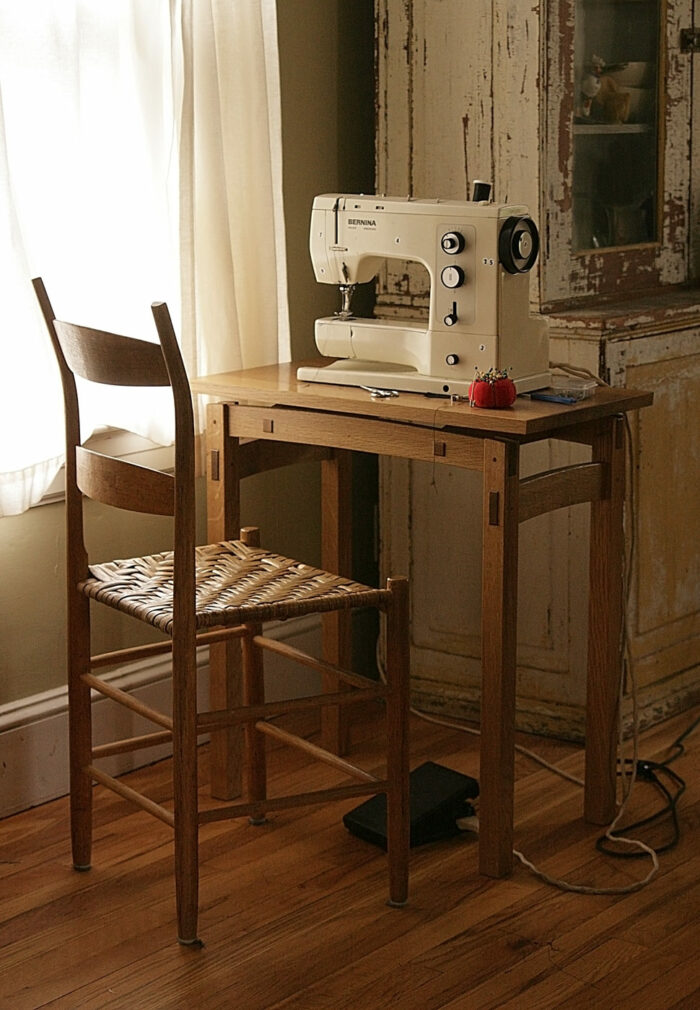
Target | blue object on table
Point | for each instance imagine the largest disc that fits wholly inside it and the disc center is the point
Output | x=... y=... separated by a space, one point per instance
x=553 y=398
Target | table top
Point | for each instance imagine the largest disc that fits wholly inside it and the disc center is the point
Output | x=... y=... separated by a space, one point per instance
x=278 y=386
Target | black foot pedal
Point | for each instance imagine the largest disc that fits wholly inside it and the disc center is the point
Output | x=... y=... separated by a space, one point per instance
x=439 y=797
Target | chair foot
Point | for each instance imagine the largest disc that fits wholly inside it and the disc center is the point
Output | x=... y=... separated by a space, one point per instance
x=82 y=869
x=397 y=904
x=257 y=821
x=196 y=943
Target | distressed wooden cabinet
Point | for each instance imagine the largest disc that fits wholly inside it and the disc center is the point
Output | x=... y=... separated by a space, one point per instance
x=495 y=91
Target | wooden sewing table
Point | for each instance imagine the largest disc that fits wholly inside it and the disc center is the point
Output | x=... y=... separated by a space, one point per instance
x=286 y=421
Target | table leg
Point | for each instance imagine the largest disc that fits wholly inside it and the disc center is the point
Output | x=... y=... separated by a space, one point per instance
x=336 y=556
x=605 y=628
x=225 y=677
x=499 y=600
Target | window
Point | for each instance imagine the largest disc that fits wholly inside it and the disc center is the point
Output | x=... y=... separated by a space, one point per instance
x=140 y=160
x=90 y=189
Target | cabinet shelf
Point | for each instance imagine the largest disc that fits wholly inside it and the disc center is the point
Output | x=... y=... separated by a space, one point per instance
x=590 y=129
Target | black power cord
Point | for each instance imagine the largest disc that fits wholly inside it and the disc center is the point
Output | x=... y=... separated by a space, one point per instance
x=669 y=784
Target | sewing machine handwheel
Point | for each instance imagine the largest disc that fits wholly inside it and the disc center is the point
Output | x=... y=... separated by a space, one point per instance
x=518 y=244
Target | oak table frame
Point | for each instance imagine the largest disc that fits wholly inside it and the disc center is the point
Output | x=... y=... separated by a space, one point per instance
x=264 y=418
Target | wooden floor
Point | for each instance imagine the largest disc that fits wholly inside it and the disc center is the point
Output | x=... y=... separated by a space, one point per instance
x=294 y=914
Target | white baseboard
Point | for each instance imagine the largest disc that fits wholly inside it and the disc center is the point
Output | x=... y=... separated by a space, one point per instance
x=34 y=730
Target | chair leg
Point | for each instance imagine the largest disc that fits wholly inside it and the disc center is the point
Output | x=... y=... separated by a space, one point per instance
x=186 y=879
x=185 y=793
x=398 y=700
x=79 y=730
x=254 y=694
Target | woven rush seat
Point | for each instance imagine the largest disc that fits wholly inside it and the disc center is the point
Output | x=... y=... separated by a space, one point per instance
x=234 y=584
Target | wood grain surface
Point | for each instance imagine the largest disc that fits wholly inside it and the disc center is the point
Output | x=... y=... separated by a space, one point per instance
x=277 y=385
x=293 y=912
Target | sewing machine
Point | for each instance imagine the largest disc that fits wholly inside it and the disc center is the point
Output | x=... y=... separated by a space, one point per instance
x=478 y=255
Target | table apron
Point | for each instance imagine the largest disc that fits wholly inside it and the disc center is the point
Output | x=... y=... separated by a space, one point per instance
x=339 y=431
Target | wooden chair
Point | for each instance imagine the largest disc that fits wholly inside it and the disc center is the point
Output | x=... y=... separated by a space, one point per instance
x=195 y=595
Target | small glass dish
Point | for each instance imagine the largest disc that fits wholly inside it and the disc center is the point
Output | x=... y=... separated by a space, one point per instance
x=572 y=387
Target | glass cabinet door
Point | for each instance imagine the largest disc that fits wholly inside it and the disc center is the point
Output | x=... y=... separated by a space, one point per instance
x=617 y=45
x=615 y=165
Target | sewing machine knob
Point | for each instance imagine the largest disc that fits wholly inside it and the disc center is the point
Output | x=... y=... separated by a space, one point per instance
x=452 y=359
x=452 y=242
x=524 y=245
x=452 y=277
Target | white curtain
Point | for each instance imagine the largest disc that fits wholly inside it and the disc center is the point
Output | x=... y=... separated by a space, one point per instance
x=140 y=161
x=233 y=239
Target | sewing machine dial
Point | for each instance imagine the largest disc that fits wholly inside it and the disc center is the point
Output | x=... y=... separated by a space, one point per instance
x=452 y=242
x=452 y=277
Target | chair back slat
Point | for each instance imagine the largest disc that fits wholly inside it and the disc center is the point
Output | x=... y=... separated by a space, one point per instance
x=124 y=485
x=105 y=357
x=110 y=358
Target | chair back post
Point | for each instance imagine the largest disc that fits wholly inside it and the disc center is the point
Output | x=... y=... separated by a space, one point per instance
x=77 y=608
x=184 y=630
x=75 y=543
x=184 y=445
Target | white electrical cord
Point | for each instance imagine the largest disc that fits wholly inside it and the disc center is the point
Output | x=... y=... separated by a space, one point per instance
x=439 y=721
x=609 y=834
x=580 y=373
